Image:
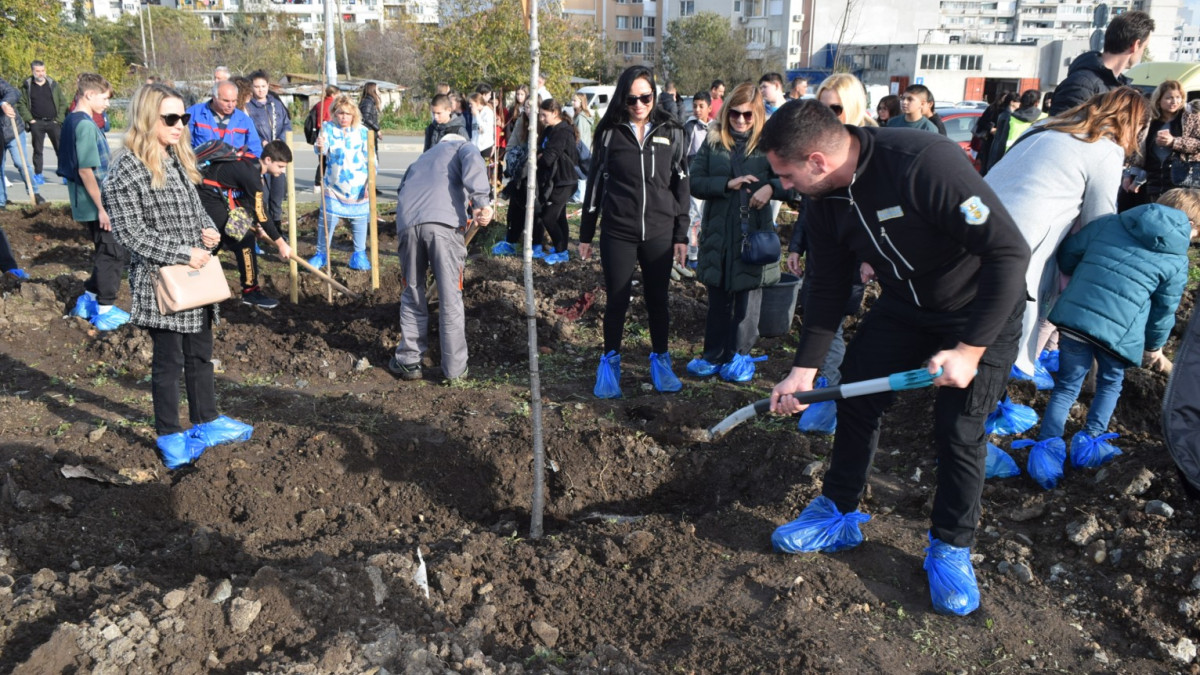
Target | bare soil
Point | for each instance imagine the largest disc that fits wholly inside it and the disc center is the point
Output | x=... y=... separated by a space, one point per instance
x=295 y=552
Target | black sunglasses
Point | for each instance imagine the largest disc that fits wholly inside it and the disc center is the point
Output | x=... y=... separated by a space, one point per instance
x=747 y=115
x=173 y=119
x=644 y=99
x=836 y=108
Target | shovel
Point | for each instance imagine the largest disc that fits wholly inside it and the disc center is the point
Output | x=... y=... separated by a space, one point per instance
x=910 y=379
x=319 y=274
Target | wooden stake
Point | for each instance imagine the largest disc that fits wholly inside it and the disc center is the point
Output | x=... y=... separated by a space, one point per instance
x=293 y=271
x=373 y=232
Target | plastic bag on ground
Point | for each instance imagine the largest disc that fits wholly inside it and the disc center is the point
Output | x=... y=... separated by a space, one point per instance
x=1046 y=460
x=821 y=417
x=1089 y=453
x=1000 y=464
x=1010 y=418
x=952 y=585
x=820 y=527
x=608 y=376
x=1041 y=377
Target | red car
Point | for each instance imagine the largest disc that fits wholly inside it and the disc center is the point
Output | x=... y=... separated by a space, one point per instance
x=960 y=122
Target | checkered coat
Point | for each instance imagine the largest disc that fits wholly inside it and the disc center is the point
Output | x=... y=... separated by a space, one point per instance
x=159 y=227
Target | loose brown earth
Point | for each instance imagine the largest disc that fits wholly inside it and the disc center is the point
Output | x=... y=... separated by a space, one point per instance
x=656 y=554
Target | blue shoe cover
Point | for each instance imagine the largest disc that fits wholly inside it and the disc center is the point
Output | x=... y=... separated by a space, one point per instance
x=1046 y=459
x=741 y=368
x=1041 y=377
x=952 y=584
x=1049 y=360
x=318 y=261
x=359 y=261
x=221 y=430
x=555 y=257
x=111 y=320
x=1000 y=464
x=538 y=252
x=173 y=448
x=504 y=248
x=820 y=527
x=661 y=373
x=1089 y=453
x=698 y=367
x=1010 y=418
x=85 y=307
x=821 y=417
x=17 y=273
x=258 y=250
x=608 y=376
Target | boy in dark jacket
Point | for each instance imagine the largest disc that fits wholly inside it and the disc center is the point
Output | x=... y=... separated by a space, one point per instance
x=445 y=121
x=1128 y=275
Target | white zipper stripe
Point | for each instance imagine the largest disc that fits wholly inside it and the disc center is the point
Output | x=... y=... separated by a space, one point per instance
x=875 y=242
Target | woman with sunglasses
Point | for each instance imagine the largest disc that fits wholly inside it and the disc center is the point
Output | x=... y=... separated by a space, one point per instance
x=638 y=191
x=846 y=96
x=150 y=195
x=733 y=178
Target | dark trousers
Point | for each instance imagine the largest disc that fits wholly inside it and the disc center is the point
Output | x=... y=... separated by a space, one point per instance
x=108 y=263
x=40 y=130
x=897 y=336
x=553 y=217
x=276 y=189
x=190 y=355
x=619 y=259
x=247 y=260
x=515 y=220
x=7 y=261
x=731 y=326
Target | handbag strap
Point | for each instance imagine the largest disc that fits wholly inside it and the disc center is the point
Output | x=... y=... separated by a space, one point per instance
x=735 y=164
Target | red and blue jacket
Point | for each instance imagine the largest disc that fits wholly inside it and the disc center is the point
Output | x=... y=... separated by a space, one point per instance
x=238 y=130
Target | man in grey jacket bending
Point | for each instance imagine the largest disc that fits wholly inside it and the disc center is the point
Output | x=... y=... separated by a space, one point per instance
x=439 y=189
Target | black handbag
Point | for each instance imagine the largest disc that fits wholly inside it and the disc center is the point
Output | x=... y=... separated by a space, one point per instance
x=1184 y=174
x=758 y=248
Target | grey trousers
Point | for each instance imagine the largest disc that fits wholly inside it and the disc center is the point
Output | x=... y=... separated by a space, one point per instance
x=440 y=248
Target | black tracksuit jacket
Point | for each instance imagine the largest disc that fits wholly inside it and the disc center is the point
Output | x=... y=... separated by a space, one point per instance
x=935 y=233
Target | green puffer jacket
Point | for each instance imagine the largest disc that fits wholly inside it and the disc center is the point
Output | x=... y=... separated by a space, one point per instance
x=720 y=262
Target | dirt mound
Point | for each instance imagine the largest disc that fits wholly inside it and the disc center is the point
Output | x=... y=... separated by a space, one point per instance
x=301 y=551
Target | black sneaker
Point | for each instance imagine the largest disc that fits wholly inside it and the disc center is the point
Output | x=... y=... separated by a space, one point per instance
x=406 y=372
x=257 y=298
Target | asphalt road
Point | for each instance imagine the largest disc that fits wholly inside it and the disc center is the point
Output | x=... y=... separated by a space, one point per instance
x=396 y=153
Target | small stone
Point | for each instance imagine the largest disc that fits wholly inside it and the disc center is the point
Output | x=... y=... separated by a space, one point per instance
x=1196 y=583
x=110 y=632
x=43 y=578
x=1140 y=483
x=1157 y=507
x=174 y=599
x=96 y=434
x=62 y=501
x=362 y=364
x=1183 y=651
x=1022 y=572
x=242 y=613
x=1097 y=551
x=1029 y=512
x=545 y=632
x=1081 y=532
x=222 y=592
x=378 y=588
x=638 y=542
x=1057 y=570
x=1189 y=607
x=812 y=469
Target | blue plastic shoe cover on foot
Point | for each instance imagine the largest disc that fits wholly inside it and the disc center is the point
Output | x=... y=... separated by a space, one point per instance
x=1041 y=377
x=221 y=430
x=821 y=417
x=700 y=368
x=174 y=450
x=820 y=527
x=1010 y=418
x=1046 y=459
x=1089 y=453
x=359 y=261
x=538 y=252
x=1000 y=464
x=85 y=307
x=661 y=374
x=952 y=585
x=318 y=261
x=741 y=368
x=111 y=320
x=608 y=376
x=17 y=273
x=1049 y=360
x=504 y=248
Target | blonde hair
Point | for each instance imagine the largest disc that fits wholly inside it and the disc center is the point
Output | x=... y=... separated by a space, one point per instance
x=141 y=139
x=744 y=93
x=1159 y=92
x=343 y=101
x=1185 y=200
x=580 y=104
x=853 y=95
x=1118 y=115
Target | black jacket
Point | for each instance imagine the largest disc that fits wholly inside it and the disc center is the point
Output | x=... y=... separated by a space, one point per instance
x=935 y=233
x=10 y=95
x=370 y=113
x=1086 y=77
x=240 y=181
x=1004 y=128
x=434 y=131
x=557 y=157
x=639 y=188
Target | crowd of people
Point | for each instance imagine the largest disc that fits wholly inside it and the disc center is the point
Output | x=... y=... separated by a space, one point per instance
x=1072 y=248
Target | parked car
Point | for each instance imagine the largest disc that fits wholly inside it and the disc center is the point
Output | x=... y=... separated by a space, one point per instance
x=972 y=104
x=960 y=122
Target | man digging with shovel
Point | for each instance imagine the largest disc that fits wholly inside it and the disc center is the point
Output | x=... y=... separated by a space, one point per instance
x=951 y=264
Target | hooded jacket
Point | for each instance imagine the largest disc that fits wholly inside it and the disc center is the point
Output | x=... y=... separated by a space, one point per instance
x=434 y=132
x=1129 y=271
x=271 y=118
x=9 y=95
x=1086 y=77
x=1009 y=127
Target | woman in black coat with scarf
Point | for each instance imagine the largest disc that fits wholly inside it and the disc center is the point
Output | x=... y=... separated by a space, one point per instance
x=557 y=181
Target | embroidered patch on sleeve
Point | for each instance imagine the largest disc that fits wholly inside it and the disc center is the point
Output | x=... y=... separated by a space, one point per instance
x=975 y=211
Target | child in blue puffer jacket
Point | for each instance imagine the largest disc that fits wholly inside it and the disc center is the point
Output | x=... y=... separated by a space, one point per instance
x=1128 y=273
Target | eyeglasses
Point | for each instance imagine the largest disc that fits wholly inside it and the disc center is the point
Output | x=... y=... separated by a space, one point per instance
x=836 y=108
x=746 y=115
x=644 y=99
x=173 y=119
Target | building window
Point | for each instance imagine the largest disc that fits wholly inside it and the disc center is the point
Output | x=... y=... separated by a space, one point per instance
x=754 y=7
x=774 y=38
x=687 y=7
x=636 y=23
x=648 y=28
x=878 y=61
x=622 y=23
x=622 y=47
x=951 y=62
x=636 y=47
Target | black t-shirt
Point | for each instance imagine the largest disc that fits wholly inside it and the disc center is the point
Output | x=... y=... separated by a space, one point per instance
x=41 y=101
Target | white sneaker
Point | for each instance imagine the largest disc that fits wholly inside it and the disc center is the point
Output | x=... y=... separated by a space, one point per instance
x=316 y=189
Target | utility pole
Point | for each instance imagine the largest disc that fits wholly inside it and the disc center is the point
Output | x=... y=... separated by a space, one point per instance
x=330 y=46
x=153 y=51
x=142 y=26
